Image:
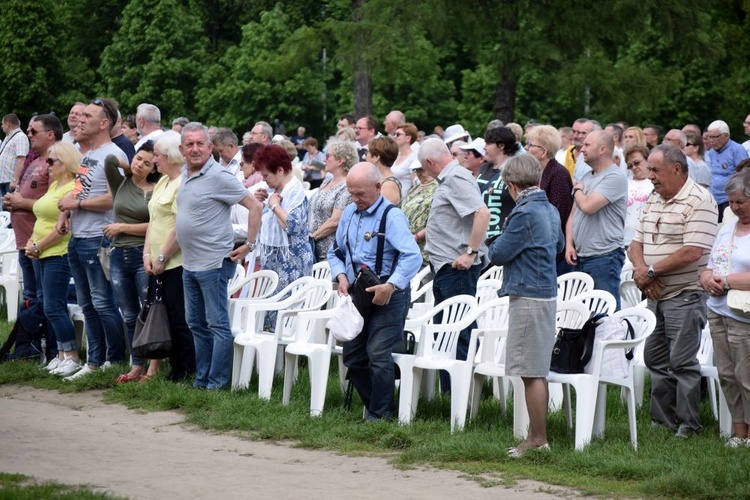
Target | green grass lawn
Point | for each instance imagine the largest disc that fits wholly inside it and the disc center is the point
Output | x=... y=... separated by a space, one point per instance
x=20 y=487
x=663 y=466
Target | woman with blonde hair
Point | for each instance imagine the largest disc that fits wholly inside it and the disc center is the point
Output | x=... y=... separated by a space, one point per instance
x=633 y=136
x=51 y=248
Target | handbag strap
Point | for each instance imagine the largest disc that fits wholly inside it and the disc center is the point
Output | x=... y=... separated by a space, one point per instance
x=589 y=329
x=380 y=235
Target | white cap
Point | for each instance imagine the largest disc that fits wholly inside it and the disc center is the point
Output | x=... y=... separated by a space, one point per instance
x=455 y=132
x=477 y=145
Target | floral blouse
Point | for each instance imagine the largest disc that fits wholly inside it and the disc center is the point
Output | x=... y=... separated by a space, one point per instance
x=416 y=206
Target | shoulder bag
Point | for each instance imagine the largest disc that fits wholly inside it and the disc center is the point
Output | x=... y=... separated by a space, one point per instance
x=152 y=339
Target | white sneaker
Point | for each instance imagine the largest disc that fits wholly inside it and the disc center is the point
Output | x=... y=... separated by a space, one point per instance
x=68 y=367
x=736 y=442
x=107 y=365
x=52 y=365
x=86 y=370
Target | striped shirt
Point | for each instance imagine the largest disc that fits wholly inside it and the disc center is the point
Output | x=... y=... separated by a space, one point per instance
x=688 y=219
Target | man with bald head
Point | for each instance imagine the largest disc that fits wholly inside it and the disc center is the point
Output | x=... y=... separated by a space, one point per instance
x=373 y=233
x=393 y=121
x=596 y=226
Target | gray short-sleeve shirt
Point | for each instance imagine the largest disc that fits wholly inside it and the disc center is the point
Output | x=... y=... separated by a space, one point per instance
x=451 y=216
x=91 y=181
x=203 y=226
x=603 y=231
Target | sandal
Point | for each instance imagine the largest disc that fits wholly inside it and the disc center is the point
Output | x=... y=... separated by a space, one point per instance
x=126 y=377
x=145 y=378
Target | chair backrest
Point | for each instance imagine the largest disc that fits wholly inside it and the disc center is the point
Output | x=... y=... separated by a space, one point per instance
x=571 y=314
x=706 y=350
x=321 y=270
x=642 y=320
x=598 y=301
x=418 y=289
x=627 y=270
x=238 y=318
x=440 y=338
x=492 y=316
x=493 y=273
x=239 y=274
x=8 y=241
x=10 y=265
x=630 y=295
x=4 y=219
x=487 y=290
x=257 y=285
x=571 y=284
x=311 y=298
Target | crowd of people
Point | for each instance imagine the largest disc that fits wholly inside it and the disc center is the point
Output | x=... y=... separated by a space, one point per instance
x=175 y=211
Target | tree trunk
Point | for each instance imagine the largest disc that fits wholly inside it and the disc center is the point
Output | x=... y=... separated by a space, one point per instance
x=362 y=75
x=505 y=97
x=508 y=67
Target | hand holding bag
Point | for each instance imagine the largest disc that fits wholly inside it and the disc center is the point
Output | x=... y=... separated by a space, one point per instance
x=152 y=339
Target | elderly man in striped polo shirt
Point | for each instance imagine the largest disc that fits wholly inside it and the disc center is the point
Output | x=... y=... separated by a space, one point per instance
x=669 y=251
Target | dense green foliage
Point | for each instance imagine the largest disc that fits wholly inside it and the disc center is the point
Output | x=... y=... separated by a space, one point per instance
x=233 y=62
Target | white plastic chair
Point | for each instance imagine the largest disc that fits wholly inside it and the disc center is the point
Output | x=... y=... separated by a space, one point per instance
x=10 y=282
x=720 y=411
x=630 y=295
x=492 y=327
x=493 y=273
x=436 y=350
x=313 y=341
x=597 y=301
x=4 y=219
x=8 y=241
x=257 y=285
x=627 y=270
x=238 y=317
x=571 y=284
x=591 y=393
x=254 y=343
x=321 y=270
x=239 y=274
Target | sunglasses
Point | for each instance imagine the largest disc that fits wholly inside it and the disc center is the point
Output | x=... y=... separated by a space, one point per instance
x=51 y=161
x=690 y=144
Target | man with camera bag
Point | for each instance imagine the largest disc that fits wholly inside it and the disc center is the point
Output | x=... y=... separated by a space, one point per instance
x=374 y=258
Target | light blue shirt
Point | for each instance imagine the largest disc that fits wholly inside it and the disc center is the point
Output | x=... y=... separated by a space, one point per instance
x=723 y=165
x=353 y=227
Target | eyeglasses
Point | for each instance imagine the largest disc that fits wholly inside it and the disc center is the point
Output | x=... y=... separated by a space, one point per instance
x=635 y=163
x=690 y=144
x=252 y=132
x=712 y=137
x=398 y=134
x=361 y=128
x=51 y=161
x=530 y=145
x=746 y=122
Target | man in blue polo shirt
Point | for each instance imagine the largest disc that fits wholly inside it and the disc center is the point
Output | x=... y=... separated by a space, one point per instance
x=204 y=232
x=725 y=154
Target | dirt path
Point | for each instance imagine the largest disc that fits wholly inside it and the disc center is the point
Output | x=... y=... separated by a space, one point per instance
x=77 y=439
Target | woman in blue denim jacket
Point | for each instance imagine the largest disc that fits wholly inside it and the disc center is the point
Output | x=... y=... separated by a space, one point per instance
x=526 y=249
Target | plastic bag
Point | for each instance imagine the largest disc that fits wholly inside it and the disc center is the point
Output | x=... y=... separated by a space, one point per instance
x=346 y=322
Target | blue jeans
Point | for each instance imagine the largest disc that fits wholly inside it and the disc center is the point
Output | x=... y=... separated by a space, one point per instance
x=369 y=355
x=448 y=283
x=208 y=318
x=94 y=294
x=605 y=269
x=30 y=271
x=130 y=286
x=54 y=276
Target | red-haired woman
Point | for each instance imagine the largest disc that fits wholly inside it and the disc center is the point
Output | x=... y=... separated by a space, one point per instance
x=284 y=245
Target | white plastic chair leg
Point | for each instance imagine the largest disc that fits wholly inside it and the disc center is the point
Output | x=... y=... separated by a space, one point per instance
x=460 y=385
x=586 y=396
x=266 y=365
x=477 y=384
x=289 y=379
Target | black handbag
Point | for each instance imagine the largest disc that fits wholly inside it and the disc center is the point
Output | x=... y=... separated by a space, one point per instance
x=152 y=339
x=574 y=347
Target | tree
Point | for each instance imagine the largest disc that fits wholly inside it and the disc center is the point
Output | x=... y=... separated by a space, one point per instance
x=157 y=55
x=270 y=74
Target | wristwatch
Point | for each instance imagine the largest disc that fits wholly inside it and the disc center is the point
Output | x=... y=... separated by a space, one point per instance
x=250 y=245
x=470 y=251
x=651 y=273
x=161 y=257
x=573 y=193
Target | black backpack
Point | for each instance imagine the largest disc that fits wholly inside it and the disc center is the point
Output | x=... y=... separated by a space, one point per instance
x=27 y=333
